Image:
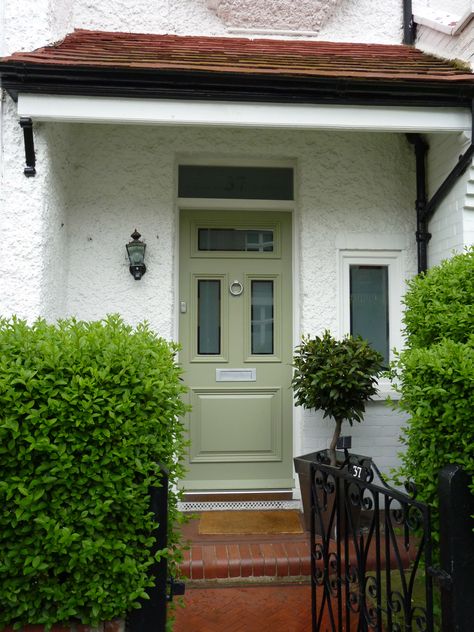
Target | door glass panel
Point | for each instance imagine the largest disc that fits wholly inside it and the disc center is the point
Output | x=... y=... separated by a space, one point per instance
x=235 y=240
x=252 y=183
x=209 y=317
x=262 y=325
x=369 y=306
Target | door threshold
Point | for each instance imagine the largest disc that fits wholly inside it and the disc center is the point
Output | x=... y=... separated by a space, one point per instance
x=239 y=500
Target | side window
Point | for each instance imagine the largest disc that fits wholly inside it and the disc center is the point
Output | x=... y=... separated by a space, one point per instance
x=371 y=298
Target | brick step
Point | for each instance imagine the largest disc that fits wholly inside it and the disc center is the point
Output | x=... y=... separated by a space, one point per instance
x=227 y=560
x=278 y=559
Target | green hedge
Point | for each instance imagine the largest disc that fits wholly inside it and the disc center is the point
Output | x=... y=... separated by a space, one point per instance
x=87 y=411
x=436 y=376
x=439 y=304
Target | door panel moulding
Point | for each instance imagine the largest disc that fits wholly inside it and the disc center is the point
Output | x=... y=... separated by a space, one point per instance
x=425 y=209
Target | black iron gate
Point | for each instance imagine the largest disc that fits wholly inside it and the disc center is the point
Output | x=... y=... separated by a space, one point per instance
x=371 y=551
x=370 y=547
x=152 y=615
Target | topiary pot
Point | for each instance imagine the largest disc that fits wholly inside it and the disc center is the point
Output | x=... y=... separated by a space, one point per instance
x=303 y=469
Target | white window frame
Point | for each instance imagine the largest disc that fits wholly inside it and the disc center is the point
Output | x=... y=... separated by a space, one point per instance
x=392 y=259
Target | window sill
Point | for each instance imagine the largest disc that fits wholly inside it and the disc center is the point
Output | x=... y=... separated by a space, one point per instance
x=386 y=391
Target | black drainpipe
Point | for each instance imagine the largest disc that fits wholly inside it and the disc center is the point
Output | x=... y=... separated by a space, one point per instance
x=425 y=209
x=422 y=234
x=409 y=26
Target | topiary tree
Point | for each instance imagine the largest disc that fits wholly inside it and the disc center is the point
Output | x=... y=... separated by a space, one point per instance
x=87 y=413
x=435 y=375
x=336 y=376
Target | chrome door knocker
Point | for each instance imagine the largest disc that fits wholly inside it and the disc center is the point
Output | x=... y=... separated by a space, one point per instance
x=236 y=288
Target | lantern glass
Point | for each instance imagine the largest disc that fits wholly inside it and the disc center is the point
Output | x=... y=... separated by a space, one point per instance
x=136 y=252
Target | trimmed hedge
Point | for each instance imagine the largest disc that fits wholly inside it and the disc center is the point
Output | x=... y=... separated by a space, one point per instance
x=435 y=376
x=439 y=304
x=87 y=411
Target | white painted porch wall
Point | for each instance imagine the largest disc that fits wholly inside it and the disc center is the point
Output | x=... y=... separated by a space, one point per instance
x=66 y=228
x=452 y=226
x=125 y=177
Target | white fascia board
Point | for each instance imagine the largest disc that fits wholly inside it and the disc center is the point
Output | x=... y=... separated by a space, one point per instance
x=83 y=109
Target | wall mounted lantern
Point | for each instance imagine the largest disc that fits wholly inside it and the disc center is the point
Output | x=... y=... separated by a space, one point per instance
x=136 y=255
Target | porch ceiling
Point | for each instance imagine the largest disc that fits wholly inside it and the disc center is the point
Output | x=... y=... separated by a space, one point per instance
x=96 y=63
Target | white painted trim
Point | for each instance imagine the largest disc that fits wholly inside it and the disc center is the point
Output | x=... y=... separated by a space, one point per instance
x=443 y=21
x=289 y=206
x=372 y=243
x=271 y=32
x=210 y=204
x=80 y=109
x=393 y=260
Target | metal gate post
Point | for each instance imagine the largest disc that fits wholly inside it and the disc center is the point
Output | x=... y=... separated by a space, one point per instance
x=456 y=506
x=151 y=617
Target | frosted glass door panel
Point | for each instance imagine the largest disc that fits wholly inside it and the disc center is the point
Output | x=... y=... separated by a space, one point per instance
x=369 y=306
x=262 y=325
x=209 y=317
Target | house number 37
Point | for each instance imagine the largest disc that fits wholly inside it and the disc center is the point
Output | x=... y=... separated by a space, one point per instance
x=356 y=471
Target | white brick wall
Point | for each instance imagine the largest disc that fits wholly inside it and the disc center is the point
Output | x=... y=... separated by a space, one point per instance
x=451 y=225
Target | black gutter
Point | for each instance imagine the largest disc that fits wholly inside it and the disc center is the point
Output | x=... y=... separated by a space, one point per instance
x=409 y=26
x=463 y=163
x=225 y=86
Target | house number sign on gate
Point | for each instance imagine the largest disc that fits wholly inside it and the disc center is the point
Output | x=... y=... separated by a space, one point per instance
x=360 y=472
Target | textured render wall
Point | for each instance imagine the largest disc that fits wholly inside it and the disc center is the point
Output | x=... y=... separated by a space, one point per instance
x=452 y=224
x=54 y=238
x=32 y=23
x=305 y=15
x=352 y=20
x=31 y=208
x=124 y=177
x=182 y=17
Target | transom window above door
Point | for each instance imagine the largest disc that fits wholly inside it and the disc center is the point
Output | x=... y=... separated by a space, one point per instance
x=235 y=183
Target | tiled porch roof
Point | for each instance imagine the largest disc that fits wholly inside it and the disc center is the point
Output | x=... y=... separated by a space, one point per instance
x=127 y=51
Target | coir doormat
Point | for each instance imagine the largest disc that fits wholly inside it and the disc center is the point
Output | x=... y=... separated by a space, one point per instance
x=249 y=522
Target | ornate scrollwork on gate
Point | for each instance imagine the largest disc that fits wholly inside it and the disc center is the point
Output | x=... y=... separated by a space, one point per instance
x=370 y=543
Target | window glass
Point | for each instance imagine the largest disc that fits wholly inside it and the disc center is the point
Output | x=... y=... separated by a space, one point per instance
x=262 y=325
x=369 y=306
x=209 y=317
x=233 y=239
x=252 y=183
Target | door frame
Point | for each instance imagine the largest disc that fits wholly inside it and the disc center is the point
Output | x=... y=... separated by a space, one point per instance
x=224 y=204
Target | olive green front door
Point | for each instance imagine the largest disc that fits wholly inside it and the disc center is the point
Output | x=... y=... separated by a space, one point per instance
x=235 y=307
